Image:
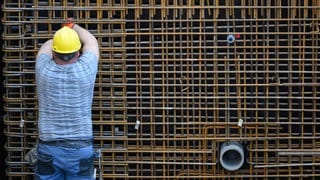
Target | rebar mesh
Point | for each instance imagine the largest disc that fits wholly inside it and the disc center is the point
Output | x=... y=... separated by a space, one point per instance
x=171 y=66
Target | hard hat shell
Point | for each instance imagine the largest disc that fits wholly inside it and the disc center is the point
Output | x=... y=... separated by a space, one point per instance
x=65 y=41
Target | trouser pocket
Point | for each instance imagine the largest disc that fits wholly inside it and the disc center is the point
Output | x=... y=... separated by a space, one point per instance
x=45 y=164
x=86 y=167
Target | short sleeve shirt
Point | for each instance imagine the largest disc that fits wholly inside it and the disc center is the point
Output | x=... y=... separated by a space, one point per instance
x=65 y=94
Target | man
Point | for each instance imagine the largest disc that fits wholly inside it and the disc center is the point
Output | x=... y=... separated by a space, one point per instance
x=65 y=84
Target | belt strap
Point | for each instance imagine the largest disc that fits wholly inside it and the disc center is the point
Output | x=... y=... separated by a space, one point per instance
x=68 y=143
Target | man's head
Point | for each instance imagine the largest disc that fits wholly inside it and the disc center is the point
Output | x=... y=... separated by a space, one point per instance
x=66 y=43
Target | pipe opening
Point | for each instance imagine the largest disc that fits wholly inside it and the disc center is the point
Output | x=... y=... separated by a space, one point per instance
x=231 y=156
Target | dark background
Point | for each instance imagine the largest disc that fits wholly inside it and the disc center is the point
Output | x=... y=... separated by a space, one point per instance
x=2 y=137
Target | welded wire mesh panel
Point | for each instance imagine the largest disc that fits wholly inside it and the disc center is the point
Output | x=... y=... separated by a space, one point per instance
x=27 y=25
x=202 y=74
x=185 y=89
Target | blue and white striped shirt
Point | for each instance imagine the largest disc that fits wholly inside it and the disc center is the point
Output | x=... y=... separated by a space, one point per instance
x=65 y=94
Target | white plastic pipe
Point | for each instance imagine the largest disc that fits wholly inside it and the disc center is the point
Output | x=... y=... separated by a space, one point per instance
x=230 y=39
x=231 y=156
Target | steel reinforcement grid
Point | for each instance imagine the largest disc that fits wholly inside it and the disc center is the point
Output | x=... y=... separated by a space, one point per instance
x=186 y=89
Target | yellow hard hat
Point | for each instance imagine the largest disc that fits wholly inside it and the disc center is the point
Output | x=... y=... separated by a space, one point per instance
x=65 y=41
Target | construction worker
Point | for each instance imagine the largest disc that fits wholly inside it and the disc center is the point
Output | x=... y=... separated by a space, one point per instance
x=65 y=78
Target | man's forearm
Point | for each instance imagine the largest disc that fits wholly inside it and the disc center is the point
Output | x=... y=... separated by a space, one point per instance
x=89 y=42
x=85 y=36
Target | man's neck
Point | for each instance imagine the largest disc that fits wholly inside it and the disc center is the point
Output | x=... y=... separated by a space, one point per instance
x=61 y=62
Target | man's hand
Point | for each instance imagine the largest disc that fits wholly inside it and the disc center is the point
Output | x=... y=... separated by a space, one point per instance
x=69 y=22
